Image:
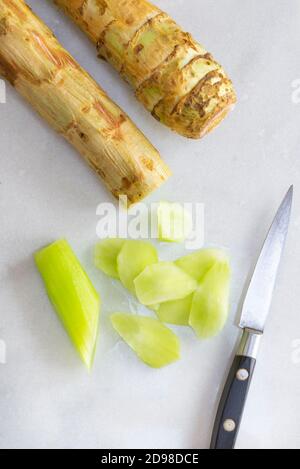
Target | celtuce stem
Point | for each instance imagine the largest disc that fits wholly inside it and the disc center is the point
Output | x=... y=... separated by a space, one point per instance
x=49 y=78
x=174 y=77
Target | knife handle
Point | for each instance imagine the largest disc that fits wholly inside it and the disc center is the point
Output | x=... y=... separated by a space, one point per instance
x=233 y=400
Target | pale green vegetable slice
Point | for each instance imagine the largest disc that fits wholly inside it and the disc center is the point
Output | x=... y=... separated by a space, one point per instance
x=73 y=296
x=152 y=341
x=106 y=254
x=176 y=312
x=132 y=260
x=154 y=307
x=198 y=263
x=174 y=222
x=163 y=282
x=210 y=304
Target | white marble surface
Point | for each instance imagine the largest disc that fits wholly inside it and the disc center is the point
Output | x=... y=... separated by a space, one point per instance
x=240 y=172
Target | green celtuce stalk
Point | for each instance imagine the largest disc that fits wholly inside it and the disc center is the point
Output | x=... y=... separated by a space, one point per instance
x=173 y=76
x=73 y=296
x=154 y=343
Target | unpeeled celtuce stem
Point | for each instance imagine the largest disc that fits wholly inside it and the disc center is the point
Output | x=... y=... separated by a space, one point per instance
x=49 y=78
x=173 y=76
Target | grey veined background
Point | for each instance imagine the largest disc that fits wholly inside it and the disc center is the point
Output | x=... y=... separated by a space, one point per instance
x=240 y=172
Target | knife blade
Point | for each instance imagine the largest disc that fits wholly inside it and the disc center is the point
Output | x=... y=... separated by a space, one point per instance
x=255 y=310
x=259 y=296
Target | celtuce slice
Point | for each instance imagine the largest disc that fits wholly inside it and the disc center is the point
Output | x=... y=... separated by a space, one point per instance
x=174 y=222
x=134 y=257
x=106 y=255
x=210 y=304
x=198 y=263
x=152 y=341
x=73 y=296
x=176 y=312
x=163 y=282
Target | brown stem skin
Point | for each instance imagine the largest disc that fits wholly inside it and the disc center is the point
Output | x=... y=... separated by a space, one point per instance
x=173 y=76
x=49 y=78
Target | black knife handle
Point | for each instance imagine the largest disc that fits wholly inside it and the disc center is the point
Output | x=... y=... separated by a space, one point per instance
x=232 y=404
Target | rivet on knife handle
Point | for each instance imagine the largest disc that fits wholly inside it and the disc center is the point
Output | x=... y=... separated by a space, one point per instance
x=235 y=393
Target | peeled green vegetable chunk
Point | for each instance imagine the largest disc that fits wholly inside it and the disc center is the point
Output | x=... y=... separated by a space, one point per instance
x=73 y=296
x=154 y=343
x=176 y=312
x=210 y=304
x=163 y=282
x=106 y=254
x=132 y=260
x=198 y=263
x=174 y=222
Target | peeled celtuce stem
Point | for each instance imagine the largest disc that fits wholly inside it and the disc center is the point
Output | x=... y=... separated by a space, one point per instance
x=73 y=296
x=174 y=77
x=46 y=75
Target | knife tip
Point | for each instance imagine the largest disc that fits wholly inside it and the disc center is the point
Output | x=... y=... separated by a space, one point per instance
x=290 y=193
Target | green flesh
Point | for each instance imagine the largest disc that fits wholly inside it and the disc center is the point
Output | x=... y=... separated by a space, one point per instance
x=200 y=262
x=176 y=312
x=134 y=257
x=174 y=223
x=106 y=254
x=73 y=296
x=163 y=282
x=154 y=343
x=210 y=304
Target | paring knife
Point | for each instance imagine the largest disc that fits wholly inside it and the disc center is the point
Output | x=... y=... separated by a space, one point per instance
x=255 y=310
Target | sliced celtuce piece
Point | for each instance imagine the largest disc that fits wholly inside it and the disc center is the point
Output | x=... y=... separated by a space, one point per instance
x=133 y=258
x=174 y=222
x=106 y=255
x=49 y=78
x=73 y=296
x=176 y=312
x=163 y=282
x=175 y=78
x=198 y=263
x=210 y=304
x=154 y=343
